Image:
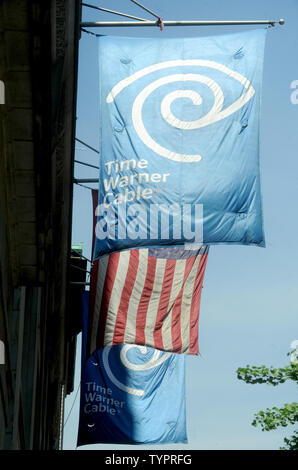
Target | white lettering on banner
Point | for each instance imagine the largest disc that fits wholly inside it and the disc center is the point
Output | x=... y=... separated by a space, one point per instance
x=94 y=408
x=127 y=165
x=97 y=401
x=139 y=178
x=91 y=386
x=128 y=196
x=132 y=183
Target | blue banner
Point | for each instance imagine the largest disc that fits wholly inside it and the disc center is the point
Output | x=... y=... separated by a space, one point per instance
x=179 y=141
x=131 y=395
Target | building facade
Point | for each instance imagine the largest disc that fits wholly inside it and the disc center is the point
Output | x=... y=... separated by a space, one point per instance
x=38 y=76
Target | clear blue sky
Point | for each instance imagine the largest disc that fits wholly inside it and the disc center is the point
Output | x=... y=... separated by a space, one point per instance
x=249 y=309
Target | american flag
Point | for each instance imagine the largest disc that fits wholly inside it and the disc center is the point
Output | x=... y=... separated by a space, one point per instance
x=147 y=297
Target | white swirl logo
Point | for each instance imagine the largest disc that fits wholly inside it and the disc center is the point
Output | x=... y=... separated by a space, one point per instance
x=156 y=359
x=215 y=114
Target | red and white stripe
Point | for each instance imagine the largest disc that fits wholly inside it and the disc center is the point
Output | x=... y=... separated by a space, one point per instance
x=139 y=299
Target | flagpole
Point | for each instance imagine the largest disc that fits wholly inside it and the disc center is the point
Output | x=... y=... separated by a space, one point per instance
x=85 y=180
x=111 y=24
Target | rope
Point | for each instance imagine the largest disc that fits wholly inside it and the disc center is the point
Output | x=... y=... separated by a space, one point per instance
x=87 y=164
x=83 y=186
x=71 y=407
x=89 y=32
x=81 y=141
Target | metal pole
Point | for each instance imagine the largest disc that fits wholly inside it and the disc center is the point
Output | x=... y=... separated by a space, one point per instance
x=87 y=164
x=112 y=11
x=80 y=255
x=80 y=283
x=111 y=24
x=85 y=180
x=87 y=145
x=146 y=9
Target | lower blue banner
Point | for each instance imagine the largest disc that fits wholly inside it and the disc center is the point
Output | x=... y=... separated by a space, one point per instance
x=131 y=394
